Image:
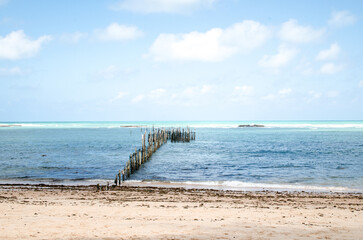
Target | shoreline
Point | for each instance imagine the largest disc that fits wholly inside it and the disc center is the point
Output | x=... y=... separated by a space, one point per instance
x=136 y=187
x=82 y=212
x=146 y=188
x=212 y=185
x=168 y=186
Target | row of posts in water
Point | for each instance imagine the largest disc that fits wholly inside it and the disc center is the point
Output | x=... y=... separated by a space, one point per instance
x=155 y=139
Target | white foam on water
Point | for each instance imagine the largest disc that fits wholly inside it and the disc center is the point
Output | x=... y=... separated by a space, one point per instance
x=315 y=126
x=32 y=125
x=242 y=186
x=234 y=124
x=271 y=186
x=20 y=125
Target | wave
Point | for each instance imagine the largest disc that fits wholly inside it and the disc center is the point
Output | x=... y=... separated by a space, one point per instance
x=312 y=126
x=243 y=186
x=316 y=126
x=21 y=125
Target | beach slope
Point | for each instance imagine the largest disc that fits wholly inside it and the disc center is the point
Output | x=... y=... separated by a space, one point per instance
x=83 y=212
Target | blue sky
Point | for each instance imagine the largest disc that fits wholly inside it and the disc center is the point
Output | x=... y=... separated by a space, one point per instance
x=127 y=60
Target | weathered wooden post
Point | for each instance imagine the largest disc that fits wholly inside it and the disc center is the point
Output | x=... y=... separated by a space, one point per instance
x=143 y=148
x=142 y=141
x=136 y=159
x=158 y=138
x=119 y=177
x=148 y=152
x=142 y=155
x=130 y=166
x=126 y=171
x=155 y=142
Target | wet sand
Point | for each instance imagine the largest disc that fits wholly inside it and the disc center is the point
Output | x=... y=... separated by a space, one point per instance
x=83 y=212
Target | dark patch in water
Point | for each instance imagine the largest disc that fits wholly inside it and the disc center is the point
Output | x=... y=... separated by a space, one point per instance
x=274 y=152
x=54 y=168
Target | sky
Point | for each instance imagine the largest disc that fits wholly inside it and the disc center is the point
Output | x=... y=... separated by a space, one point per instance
x=149 y=60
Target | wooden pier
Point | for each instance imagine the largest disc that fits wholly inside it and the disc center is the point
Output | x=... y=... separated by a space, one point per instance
x=155 y=139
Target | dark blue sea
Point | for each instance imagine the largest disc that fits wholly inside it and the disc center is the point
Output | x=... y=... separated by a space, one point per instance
x=297 y=155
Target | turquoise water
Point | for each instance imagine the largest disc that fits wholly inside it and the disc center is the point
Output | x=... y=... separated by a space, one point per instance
x=301 y=155
x=197 y=124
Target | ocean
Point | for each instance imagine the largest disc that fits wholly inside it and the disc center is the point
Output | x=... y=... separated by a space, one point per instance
x=283 y=155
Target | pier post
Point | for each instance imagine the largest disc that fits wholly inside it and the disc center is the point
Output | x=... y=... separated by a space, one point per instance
x=119 y=177
x=140 y=158
x=129 y=167
x=155 y=139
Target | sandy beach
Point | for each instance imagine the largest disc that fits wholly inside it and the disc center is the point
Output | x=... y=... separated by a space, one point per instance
x=83 y=212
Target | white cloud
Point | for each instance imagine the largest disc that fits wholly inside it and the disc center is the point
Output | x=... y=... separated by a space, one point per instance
x=280 y=94
x=109 y=72
x=73 y=37
x=360 y=84
x=10 y=71
x=244 y=90
x=138 y=98
x=269 y=97
x=206 y=89
x=114 y=72
x=192 y=92
x=305 y=67
x=161 y=6
x=313 y=95
x=118 y=32
x=333 y=94
x=191 y=46
x=119 y=96
x=214 y=45
x=285 y=91
x=330 y=53
x=17 y=45
x=157 y=94
x=192 y=95
x=342 y=18
x=189 y=92
x=243 y=94
x=331 y=68
x=291 y=31
x=245 y=35
x=282 y=58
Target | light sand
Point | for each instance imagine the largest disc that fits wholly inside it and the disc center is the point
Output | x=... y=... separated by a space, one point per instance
x=37 y=212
